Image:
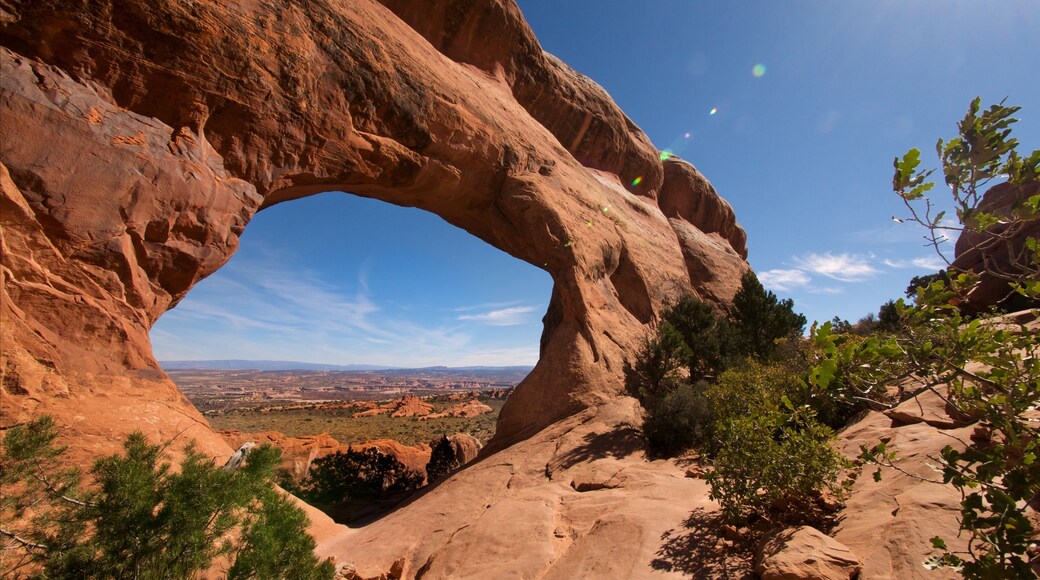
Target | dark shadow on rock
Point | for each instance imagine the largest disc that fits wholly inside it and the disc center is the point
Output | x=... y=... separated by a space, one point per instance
x=705 y=547
x=618 y=443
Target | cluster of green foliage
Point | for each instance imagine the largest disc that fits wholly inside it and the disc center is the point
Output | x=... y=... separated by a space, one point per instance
x=772 y=456
x=364 y=474
x=988 y=371
x=730 y=386
x=442 y=460
x=694 y=342
x=141 y=519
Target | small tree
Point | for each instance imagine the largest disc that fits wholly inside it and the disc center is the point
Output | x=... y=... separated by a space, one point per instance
x=661 y=362
x=922 y=281
x=760 y=318
x=442 y=460
x=357 y=474
x=705 y=334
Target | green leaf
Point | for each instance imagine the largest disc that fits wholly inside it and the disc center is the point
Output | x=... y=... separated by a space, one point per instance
x=938 y=543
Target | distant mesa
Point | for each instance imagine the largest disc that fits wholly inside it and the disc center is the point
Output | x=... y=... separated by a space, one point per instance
x=262 y=365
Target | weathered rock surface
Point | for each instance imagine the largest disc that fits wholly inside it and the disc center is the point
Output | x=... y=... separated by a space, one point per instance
x=140 y=138
x=805 y=553
x=520 y=512
x=465 y=446
x=889 y=523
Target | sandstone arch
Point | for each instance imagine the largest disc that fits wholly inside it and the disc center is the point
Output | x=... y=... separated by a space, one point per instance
x=140 y=137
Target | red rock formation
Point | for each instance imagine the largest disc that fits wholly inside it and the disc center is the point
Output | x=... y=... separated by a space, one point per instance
x=299 y=452
x=471 y=408
x=466 y=447
x=140 y=137
x=805 y=553
x=411 y=406
x=414 y=458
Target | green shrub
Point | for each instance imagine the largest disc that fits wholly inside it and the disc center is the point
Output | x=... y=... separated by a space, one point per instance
x=357 y=474
x=660 y=364
x=775 y=466
x=142 y=519
x=752 y=389
x=678 y=421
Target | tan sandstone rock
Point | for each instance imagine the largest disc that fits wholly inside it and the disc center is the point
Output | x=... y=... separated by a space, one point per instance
x=805 y=553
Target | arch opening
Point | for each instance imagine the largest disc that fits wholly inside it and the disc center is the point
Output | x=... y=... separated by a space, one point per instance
x=342 y=320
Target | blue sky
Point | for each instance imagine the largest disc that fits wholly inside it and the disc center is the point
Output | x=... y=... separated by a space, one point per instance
x=801 y=146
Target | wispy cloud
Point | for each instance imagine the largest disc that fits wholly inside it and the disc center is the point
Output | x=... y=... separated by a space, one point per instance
x=926 y=263
x=841 y=267
x=502 y=317
x=268 y=308
x=485 y=306
x=784 y=280
x=825 y=290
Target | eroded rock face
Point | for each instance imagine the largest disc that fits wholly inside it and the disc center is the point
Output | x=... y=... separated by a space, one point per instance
x=139 y=138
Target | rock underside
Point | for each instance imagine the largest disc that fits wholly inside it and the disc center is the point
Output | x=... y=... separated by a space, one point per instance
x=139 y=139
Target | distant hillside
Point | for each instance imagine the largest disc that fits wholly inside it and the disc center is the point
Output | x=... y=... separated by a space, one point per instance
x=262 y=365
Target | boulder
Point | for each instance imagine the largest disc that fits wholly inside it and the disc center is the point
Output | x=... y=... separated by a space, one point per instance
x=805 y=553
x=998 y=252
x=466 y=447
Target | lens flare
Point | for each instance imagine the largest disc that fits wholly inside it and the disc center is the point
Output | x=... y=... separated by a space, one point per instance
x=758 y=71
x=637 y=181
x=686 y=135
x=666 y=154
x=713 y=110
